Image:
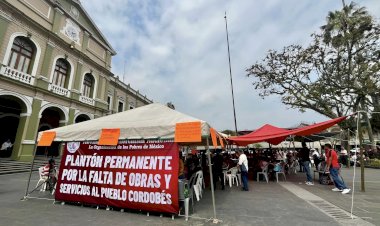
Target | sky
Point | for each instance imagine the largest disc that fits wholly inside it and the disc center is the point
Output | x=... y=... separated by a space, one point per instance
x=176 y=51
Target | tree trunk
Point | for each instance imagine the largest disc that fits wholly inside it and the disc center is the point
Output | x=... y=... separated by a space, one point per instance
x=369 y=127
x=345 y=139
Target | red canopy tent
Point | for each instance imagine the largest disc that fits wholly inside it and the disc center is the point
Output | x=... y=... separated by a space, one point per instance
x=267 y=133
x=275 y=135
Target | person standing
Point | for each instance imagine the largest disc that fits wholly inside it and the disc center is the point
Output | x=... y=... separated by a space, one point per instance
x=217 y=169
x=305 y=158
x=333 y=167
x=316 y=157
x=243 y=164
x=344 y=157
x=181 y=168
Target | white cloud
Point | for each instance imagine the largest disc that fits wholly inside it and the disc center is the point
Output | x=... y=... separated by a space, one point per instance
x=176 y=51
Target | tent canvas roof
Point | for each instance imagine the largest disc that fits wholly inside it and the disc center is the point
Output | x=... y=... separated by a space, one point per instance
x=265 y=133
x=152 y=121
x=315 y=137
x=275 y=135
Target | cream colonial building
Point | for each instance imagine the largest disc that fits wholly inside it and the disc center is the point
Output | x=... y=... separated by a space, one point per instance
x=55 y=70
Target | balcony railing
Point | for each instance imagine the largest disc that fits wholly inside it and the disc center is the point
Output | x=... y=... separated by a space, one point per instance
x=87 y=100
x=59 y=90
x=17 y=75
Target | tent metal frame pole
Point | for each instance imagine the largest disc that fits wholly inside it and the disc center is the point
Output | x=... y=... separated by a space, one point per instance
x=211 y=181
x=229 y=63
x=31 y=168
x=356 y=153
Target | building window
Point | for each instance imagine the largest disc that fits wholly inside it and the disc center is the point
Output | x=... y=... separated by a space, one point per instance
x=131 y=105
x=61 y=73
x=22 y=54
x=109 y=101
x=120 y=107
x=88 y=85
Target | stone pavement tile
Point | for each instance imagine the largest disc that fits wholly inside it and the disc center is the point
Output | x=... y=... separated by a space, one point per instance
x=366 y=204
x=264 y=204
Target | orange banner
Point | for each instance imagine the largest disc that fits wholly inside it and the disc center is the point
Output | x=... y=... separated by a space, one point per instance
x=109 y=137
x=46 y=139
x=221 y=140
x=213 y=137
x=188 y=132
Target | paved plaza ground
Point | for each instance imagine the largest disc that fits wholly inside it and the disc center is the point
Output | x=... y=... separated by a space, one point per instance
x=284 y=203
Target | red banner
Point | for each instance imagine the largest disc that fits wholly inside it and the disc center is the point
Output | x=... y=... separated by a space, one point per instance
x=139 y=175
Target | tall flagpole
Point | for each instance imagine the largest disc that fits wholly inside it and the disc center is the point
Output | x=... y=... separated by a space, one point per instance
x=229 y=62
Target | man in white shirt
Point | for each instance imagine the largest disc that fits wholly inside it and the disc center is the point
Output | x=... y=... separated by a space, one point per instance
x=315 y=152
x=243 y=164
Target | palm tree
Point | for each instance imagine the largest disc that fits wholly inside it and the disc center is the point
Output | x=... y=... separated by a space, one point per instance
x=347 y=31
x=347 y=26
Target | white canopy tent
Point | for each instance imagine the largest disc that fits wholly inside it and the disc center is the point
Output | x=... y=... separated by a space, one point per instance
x=153 y=121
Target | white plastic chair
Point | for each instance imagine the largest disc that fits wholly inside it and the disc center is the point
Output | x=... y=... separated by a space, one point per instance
x=264 y=173
x=225 y=176
x=195 y=184
x=42 y=179
x=56 y=176
x=191 y=190
x=232 y=176
x=239 y=177
x=293 y=167
x=281 y=172
x=202 y=180
x=225 y=169
x=182 y=185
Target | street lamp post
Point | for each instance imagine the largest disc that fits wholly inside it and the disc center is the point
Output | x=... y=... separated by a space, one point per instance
x=229 y=62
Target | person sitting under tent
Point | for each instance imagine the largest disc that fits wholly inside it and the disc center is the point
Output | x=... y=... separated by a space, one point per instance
x=217 y=169
x=49 y=171
x=181 y=167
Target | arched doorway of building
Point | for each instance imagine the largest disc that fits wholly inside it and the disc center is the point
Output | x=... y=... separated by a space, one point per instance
x=82 y=118
x=50 y=119
x=10 y=109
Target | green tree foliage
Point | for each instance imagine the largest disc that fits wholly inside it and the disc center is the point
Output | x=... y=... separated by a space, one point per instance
x=335 y=75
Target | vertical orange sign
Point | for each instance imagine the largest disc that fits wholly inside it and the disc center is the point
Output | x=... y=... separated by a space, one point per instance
x=221 y=141
x=213 y=137
x=109 y=137
x=46 y=139
x=188 y=132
